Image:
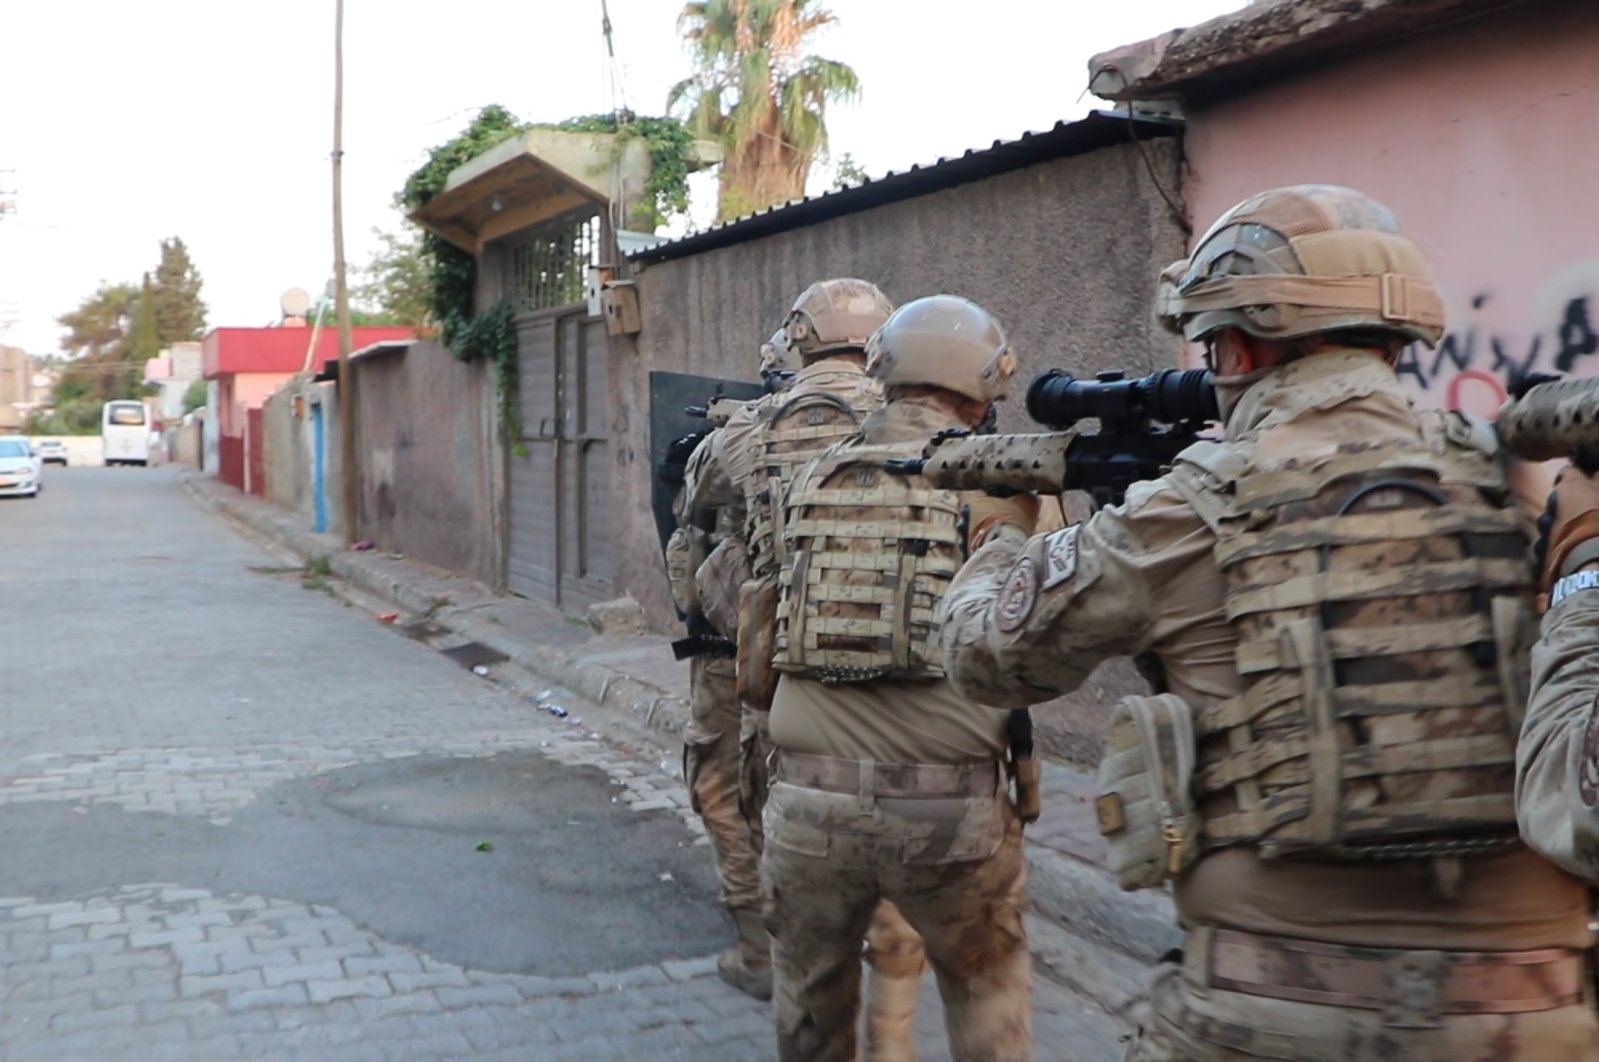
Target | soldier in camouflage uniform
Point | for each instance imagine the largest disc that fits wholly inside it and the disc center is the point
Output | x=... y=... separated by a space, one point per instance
x=705 y=568
x=1333 y=603
x=1557 y=758
x=887 y=784
x=742 y=467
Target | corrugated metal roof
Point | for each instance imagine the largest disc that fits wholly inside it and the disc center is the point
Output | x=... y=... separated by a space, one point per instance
x=1099 y=129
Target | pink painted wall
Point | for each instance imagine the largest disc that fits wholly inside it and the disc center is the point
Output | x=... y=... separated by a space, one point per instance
x=244 y=391
x=1482 y=138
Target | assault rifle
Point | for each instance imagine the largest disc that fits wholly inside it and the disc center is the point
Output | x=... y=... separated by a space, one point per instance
x=1129 y=447
x=1548 y=418
x=717 y=411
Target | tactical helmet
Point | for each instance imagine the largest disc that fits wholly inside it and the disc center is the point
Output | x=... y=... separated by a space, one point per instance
x=943 y=341
x=838 y=314
x=1302 y=260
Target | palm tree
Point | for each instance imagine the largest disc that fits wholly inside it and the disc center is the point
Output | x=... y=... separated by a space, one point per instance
x=757 y=93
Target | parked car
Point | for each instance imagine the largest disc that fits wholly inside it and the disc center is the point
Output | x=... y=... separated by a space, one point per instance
x=51 y=451
x=20 y=470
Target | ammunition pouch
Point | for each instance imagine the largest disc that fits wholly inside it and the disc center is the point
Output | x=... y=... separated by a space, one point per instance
x=1144 y=806
x=756 y=679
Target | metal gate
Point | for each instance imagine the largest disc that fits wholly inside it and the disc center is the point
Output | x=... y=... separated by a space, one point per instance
x=560 y=491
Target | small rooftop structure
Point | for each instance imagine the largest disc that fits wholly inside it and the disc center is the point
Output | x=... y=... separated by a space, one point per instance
x=540 y=175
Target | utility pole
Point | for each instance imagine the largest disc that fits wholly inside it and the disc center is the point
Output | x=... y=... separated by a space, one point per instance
x=341 y=293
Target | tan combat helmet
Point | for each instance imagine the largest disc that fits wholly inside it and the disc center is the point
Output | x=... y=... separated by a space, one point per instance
x=833 y=315
x=1301 y=260
x=943 y=341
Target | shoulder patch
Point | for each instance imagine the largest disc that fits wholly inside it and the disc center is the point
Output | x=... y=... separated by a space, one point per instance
x=1060 y=557
x=1017 y=597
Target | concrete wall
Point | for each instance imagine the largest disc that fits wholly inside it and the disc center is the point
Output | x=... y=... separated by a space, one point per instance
x=210 y=426
x=428 y=450
x=184 y=442
x=286 y=425
x=1064 y=253
x=1478 y=136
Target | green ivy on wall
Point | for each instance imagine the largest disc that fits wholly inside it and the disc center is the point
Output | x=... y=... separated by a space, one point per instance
x=471 y=336
x=671 y=151
x=491 y=334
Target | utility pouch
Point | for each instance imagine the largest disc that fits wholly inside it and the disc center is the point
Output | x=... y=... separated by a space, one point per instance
x=757 y=632
x=1144 y=805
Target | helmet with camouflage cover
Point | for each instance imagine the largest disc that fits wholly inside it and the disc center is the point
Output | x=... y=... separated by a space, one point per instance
x=1302 y=260
x=943 y=341
x=834 y=315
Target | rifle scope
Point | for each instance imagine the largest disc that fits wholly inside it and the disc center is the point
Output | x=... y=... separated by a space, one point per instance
x=1058 y=400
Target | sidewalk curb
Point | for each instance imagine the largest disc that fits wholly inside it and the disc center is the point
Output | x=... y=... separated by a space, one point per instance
x=651 y=707
x=1082 y=899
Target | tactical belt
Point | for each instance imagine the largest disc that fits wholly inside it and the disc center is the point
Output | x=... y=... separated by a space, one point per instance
x=887 y=779
x=1412 y=988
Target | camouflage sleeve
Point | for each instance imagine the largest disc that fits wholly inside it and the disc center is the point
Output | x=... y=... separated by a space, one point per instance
x=1026 y=621
x=1557 y=758
x=712 y=477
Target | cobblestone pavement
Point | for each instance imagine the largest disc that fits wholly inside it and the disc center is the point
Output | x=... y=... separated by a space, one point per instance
x=244 y=822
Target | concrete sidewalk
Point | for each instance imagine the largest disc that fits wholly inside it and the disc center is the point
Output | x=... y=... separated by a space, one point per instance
x=1089 y=935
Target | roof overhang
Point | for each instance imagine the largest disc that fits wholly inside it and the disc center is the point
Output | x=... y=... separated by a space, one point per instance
x=537 y=176
x=1234 y=53
x=330 y=367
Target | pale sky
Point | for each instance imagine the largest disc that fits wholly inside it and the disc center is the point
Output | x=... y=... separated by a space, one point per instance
x=124 y=123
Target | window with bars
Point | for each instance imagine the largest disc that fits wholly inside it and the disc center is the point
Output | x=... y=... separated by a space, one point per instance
x=548 y=268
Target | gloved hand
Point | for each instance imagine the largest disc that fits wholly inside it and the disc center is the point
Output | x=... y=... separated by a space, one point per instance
x=986 y=512
x=1568 y=531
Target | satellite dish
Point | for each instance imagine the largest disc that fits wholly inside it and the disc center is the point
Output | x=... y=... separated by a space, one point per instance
x=294 y=302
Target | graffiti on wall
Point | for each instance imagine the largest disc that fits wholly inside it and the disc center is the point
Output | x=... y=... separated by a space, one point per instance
x=1476 y=362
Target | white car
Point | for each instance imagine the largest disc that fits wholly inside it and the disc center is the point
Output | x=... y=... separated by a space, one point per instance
x=20 y=469
x=51 y=450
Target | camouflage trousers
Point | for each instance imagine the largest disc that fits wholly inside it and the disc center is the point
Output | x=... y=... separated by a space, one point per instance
x=1191 y=1022
x=895 y=960
x=755 y=749
x=952 y=867
x=713 y=772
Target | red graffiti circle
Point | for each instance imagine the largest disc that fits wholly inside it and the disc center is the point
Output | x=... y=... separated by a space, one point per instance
x=1482 y=398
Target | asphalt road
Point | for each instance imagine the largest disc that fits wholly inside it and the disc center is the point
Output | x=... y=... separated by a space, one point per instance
x=243 y=819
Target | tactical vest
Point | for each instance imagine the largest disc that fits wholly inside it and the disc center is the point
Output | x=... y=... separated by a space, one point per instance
x=872 y=556
x=792 y=434
x=1381 y=600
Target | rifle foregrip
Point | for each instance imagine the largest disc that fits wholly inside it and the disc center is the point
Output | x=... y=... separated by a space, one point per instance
x=1553 y=420
x=1034 y=463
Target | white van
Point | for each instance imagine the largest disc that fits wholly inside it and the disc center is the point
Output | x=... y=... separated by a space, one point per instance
x=125 y=433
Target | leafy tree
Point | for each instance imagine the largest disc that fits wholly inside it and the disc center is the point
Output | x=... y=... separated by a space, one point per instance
x=847 y=172
x=396 y=287
x=195 y=396
x=179 y=310
x=145 y=342
x=99 y=329
x=758 y=93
